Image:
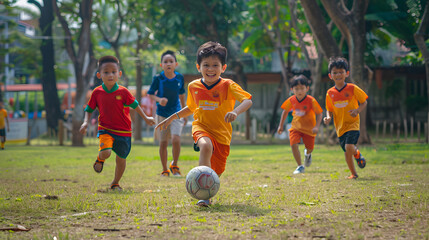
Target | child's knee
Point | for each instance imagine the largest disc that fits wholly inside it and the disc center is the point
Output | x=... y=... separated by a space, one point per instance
x=350 y=148
x=105 y=154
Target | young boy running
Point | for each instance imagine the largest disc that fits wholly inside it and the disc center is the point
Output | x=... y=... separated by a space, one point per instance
x=114 y=122
x=4 y=122
x=344 y=102
x=170 y=98
x=307 y=116
x=212 y=99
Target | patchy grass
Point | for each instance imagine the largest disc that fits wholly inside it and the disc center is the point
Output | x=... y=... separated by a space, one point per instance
x=55 y=192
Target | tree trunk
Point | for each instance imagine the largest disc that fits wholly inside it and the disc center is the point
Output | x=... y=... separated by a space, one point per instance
x=49 y=83
x=138 y=121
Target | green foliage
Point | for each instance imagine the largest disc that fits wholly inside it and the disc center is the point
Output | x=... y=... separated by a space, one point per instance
x=416 y=103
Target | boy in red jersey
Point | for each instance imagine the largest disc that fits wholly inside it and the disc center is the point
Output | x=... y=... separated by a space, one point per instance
x=211 y=99
x=307 y=116
x=114 y=122
x=344 y=102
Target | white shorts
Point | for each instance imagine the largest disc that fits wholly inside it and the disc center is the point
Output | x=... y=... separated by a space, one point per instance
x=175 y=128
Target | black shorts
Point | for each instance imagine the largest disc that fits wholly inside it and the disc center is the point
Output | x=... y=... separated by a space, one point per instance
x=3 y=132
x=350 y=137
x=119 y=144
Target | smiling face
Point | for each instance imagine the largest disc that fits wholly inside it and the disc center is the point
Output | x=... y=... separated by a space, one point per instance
x=300 y=91
x=339 y=75
x=211 y=68
x=109 y=73
x=168 y=63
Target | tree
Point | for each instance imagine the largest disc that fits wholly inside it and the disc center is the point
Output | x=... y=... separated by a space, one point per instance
x=83 y=59
x=421 y=35
x=49 y=83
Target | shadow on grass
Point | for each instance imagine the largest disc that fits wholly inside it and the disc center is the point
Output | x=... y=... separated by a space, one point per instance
x=248 y=210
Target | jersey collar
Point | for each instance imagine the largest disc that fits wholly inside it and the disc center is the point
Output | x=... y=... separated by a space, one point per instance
x=339 y=90
x=114 y=88
x=301 y=99
x=209 y=87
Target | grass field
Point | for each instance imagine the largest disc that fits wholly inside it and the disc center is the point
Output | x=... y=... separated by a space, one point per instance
x=54 y=192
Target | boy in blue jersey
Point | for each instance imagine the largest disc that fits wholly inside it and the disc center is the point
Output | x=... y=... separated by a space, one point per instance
x=168 y=90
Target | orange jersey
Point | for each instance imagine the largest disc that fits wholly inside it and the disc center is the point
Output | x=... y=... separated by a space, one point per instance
x=340 y=102
x=210 y=104
x=304 y=113
x=3 y=116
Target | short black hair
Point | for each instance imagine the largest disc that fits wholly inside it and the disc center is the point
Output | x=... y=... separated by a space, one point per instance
x=299 y=80
x=107 y=59
x=168 y=52
x=212 y=49
x=339 y=63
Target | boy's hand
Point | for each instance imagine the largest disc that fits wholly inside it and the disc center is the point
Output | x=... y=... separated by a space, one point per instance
x=280 y=130
x=353 y=112
x=163 y=101
x=230 y=117
x=315 y=130
x=83 y=127
x=164 y=124
x=327 y=120
x=150 y=121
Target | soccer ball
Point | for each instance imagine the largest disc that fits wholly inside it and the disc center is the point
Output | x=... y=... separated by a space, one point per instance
x=202 y=183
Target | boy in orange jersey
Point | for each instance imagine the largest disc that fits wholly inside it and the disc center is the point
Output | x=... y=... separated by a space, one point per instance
x=211 y=99
x=344 y=102
x=4 y=122
x=114 y=122
x=307 y=116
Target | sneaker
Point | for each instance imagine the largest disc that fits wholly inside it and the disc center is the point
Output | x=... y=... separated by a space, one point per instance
x=204 y=203
x=115 y=187
x=307 y=159
x=352 y=176
x=361 y=161
x=299 y=169
x=175 y=170
x=165 y=173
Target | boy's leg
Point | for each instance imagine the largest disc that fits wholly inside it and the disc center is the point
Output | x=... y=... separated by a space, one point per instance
x=206 y=150
x=175 y=141
x=359 y=158
x=104 y=151
x=309 y=146
x=121 y=163
x=350 y=149
x=296 y=153
x=163 y=154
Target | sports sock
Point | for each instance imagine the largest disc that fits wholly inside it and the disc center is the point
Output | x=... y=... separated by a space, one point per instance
x=357 y=155
x=100 y=160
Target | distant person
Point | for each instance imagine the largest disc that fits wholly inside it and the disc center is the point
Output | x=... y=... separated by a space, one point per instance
x=4 y=124
x=307 y=116
x=168 y=90
x=114 y=128
x=344 y=102
x=211 y=99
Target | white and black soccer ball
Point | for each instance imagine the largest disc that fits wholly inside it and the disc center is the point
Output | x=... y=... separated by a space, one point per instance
x=202 y=183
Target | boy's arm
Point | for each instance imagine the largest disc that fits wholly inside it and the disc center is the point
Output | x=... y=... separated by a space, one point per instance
x=355 y=112
x=318 y=121
x=328 y=118
x=149 y=120
x=282 y=121
x=183 y=103
x=162 y=101
x=185 y=112
x=84 y=125
x=244 y=105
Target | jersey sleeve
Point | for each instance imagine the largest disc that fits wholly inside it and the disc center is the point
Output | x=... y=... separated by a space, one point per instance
x=329 y=105
x=130 y=100
x=154 y=86
x=287 y=105
x=360 y=94
x=92 y=103
x=182 y=83
x=238 y=93
x=190 y=99
x=316 y=107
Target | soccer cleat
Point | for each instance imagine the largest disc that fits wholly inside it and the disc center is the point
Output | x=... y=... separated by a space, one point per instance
x=307 y=159
x=98 y=163
x=165 y=174
x=115 y=187
x=175 y=170
x=299 y=169
x=352 y=176
x=361 y=161
x=204 y=203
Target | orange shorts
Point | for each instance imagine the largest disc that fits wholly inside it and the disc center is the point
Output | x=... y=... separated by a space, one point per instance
x=295 y=137
x=220 y=152
x=119 y=144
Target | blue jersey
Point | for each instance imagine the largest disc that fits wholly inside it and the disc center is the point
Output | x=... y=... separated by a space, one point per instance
x=170 y=89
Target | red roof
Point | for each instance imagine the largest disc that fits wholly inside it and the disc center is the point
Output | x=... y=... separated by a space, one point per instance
x=33 y=87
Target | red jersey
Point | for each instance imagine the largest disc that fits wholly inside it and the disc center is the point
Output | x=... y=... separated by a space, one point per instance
x=340 y=102
x=114 y=109
x=304 y=113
